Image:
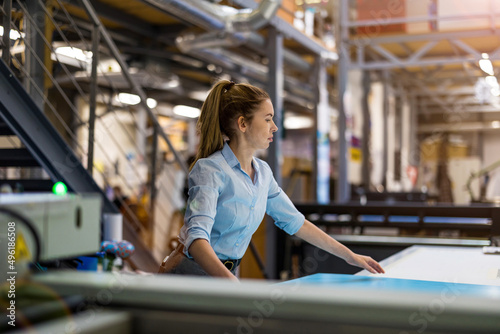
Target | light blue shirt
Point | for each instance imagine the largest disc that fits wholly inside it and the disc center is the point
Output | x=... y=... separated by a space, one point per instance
x=226 y=207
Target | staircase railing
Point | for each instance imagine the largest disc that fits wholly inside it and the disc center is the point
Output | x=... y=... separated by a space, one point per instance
x=80 y=100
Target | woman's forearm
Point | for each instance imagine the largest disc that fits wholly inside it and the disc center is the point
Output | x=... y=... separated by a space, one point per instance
x=204 y=255
x=315 y=236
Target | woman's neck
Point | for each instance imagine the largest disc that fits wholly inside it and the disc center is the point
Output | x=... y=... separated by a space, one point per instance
x=243 y=154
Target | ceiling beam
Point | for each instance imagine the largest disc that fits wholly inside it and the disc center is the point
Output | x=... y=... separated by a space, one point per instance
x=469 y=100
x=434 y=36
x=465 y=90
x=113 y=14
x=471 y=110
x=457 y=127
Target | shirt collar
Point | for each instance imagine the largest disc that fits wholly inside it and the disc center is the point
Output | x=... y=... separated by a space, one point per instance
x=231 y=159
x=228 y=154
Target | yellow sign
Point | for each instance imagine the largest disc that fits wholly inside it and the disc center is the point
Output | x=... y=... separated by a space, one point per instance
x=355 y=154
x=22 y=251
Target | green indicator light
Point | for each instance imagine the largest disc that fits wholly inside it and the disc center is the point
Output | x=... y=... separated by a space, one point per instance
x=59 y=188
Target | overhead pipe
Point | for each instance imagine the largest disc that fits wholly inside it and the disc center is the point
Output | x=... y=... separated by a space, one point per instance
x=226 y=20
x=230 y=60
x=255 y=19
x=238 y=25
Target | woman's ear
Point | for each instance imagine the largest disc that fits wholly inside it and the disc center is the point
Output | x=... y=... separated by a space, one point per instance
x=242 y=124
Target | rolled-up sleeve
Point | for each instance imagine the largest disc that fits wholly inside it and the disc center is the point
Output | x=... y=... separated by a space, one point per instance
x=204 y=182
x=282 y=210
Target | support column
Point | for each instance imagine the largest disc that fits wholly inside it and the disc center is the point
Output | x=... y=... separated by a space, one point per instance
x=7 y=8
x=153 y=192
x=321 y=166
x=35 y=85
x=93 y=98
x=414 y=148
x=343 y=193
x=275 y=90
x=35 y=61
x=386 y=128
x=398 y=134
x=365 y=144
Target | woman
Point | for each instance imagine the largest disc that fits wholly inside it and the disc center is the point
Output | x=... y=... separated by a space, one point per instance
x=230 y=190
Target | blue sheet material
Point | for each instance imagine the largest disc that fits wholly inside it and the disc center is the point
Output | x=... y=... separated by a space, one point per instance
x=394 y=284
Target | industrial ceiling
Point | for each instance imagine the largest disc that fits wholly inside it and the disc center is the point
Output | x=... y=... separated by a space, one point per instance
x=188 y=41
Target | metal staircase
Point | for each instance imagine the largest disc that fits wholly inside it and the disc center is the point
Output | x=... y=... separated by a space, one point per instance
x=12 y=156
x=42 y=133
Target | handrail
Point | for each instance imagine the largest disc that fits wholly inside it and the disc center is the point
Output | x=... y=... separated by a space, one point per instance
x=65 y=76
x=135 y=87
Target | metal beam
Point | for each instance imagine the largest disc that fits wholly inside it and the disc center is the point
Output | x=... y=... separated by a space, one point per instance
x=470 y=101
x=385 y=155
x=321 y=135
x=464 y=90
x=114 y=14
x=275 y=90
x=468 y=110
x=404 y=63
x=7 y=8
x=93 y=98
x=404 y=20
x=36 y=49
x=422 y=51
x=343 y=191
x=457 y=127
x=386 y=53
x=87 y=27
x=365 y=140
x=435 y=36
x=466 y=48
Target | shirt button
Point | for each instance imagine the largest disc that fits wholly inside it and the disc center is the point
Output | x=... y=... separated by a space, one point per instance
x=251 y=208
x=237 y=244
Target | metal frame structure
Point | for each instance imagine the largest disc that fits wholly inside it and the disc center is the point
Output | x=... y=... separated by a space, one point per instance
x=430 y=86
x=397 y=215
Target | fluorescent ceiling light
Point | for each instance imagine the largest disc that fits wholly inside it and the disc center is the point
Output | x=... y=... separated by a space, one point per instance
x=133 y=99
x=130 y=99
x=298 y=122
x=486 y=65
x=152 y=103
x=13 y=34
x=75 y=53
x=186 y=111
x=495 y=124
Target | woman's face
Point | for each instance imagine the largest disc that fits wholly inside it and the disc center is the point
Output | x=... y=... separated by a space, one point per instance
x=261 y=128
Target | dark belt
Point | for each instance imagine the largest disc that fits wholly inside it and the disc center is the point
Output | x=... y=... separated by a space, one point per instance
x=231 y=264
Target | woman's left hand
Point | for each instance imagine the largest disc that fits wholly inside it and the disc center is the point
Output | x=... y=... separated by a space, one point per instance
x=367 y=263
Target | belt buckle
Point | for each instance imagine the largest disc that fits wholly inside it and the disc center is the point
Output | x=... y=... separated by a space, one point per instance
x=227 y=263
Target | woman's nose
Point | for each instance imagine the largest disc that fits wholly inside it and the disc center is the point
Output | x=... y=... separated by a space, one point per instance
x=275 y=128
